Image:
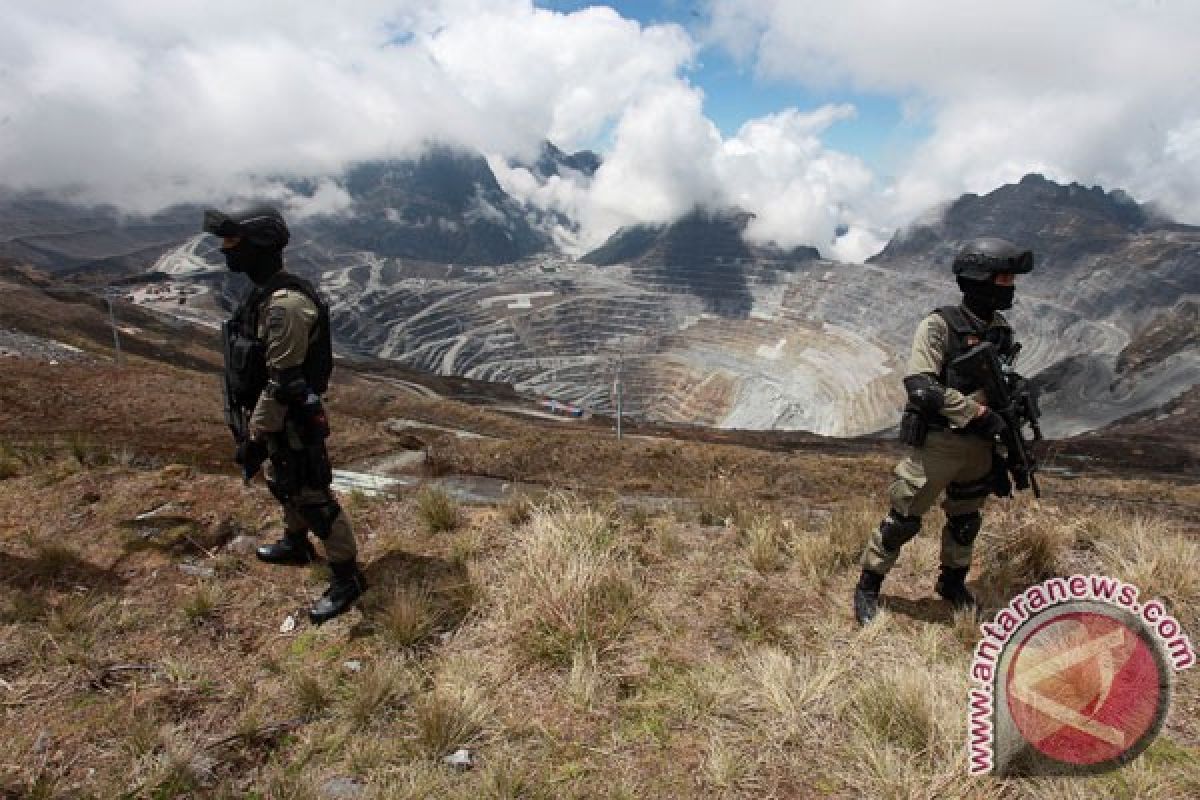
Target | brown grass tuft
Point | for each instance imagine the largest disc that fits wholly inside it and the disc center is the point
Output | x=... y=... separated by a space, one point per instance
x=408 y=616
x=437 y=510
x=570 y=585
x=764 y=540
x=380 y=689
x=310 y=693
x=447 y=718
x=10 y=464
x=1021 y=548
x=1149 y=554
x=517 y=508
x=201 y=605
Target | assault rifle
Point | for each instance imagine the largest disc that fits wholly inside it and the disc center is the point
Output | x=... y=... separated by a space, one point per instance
x=1010 y=396
x=250 y=458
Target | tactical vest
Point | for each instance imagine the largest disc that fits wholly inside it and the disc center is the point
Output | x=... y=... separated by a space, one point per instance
x=246 y=354
x=963 y=335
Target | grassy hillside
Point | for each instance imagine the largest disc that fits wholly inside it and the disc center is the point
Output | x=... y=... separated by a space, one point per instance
x=665 y=616
x=577 y=644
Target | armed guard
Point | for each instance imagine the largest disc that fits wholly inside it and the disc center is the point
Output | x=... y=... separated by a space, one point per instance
x=278 y=360
x=954 y=429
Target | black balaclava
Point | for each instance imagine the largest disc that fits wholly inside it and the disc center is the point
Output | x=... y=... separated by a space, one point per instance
x=262 y=235
x=976 y=267
x=983 y=298
x=257 y=262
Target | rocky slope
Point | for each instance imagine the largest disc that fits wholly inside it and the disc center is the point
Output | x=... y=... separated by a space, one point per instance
x=434 y=266
x=707 y=329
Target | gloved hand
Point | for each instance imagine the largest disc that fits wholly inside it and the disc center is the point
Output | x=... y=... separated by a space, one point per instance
x=250 y=454
x=989 y=424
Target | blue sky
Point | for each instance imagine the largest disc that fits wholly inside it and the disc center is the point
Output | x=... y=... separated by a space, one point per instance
x=880 y=133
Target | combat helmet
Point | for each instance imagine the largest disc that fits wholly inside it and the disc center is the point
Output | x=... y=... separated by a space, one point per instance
x=261 y=236
x=263 y=227
x=982 y=258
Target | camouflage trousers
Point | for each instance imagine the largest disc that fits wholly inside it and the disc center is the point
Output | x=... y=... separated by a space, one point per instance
x=920 y=478
x=339 y=544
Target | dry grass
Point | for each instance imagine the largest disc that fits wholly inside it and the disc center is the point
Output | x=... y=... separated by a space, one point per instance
x=1153 y=556
x=569 y=585
x=202 y=605
x=11 y=464
x=517 y=508
x=310 y=693
x=437 y=510
x=837 y=545
x=591 y=652
x=765 y=543
x=408 y=616
x=723 y=502
x=448 y=718
x=1021 y=547
x=378 y=692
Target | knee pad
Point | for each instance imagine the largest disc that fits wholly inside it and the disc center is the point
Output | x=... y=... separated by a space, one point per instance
x=320 y=516
x=963 y=528
x=896 y=529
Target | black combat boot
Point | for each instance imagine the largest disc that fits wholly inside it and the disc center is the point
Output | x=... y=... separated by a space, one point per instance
x=866 y=596
x=347 y=585
x=951 y=586
x=293 y=548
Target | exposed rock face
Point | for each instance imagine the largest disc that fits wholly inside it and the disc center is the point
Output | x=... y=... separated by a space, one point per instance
x=59 y=237
x=710 y=330
x=702 y=254
x=436 y=267
x=553 y=161
x=1106 y=269
x=445 y=206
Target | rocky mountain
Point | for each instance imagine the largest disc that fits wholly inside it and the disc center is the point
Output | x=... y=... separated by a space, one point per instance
x=702 y=254
x=444 y=207
x=1106 y=310
x=64 y=237
x=553 y=161
x=701 y=327
x=434 y=266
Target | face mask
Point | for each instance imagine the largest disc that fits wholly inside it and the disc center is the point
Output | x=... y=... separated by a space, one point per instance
x=258 y=263
x=986 y=296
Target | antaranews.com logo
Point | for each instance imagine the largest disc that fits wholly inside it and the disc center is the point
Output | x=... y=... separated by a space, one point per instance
x=1073 y=676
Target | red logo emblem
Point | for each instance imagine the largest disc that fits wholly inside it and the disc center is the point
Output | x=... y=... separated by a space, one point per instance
x=1085 y=689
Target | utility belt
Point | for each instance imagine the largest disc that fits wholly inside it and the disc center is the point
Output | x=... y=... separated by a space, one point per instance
x=299 y=458
x=915 y=426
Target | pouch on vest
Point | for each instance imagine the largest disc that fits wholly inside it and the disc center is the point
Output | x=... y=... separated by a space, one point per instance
x=245 y=365
x=913 y=428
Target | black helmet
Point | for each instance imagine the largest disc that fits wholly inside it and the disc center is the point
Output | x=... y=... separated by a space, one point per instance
x=982 y=258
x=263 y=227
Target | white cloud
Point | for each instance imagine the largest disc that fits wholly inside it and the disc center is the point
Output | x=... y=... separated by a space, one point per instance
x=668 y=158
x=1100 y=91
x=145 y=104
x=150 y=103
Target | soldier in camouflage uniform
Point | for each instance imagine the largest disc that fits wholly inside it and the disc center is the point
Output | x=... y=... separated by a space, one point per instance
x=952 y=434
x=282 y=327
